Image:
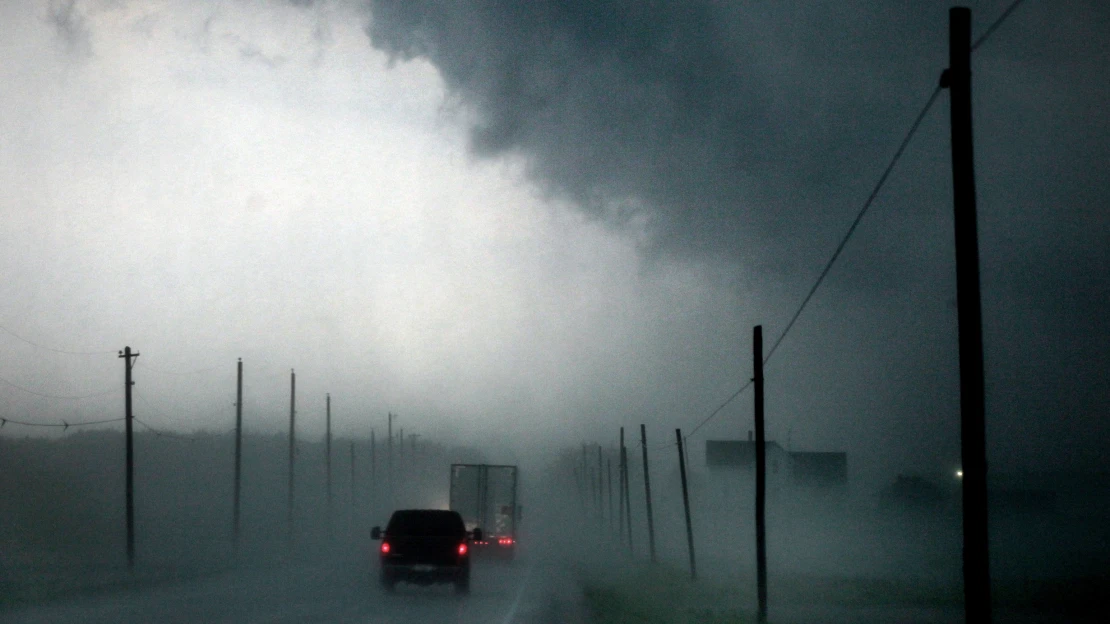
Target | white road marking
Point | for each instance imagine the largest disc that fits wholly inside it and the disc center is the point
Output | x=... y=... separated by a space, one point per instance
x=519 y=594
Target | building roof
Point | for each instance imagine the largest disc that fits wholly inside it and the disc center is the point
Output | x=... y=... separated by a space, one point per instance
x=738 y=453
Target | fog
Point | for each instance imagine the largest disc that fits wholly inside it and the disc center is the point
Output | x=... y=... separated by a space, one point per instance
x=839 y=550
x=521 y=227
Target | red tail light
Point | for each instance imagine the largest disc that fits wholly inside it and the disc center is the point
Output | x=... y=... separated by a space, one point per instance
x=385 y=548
x=462 y=549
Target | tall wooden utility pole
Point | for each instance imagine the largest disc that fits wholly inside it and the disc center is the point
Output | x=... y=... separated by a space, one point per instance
x=973 y=436
x=627 y=498
x=129 y=417
x=620 y=487
x=760 y=475
x=686 y=504
x=292 y=449
x=238 y=450
x=591 y=483
x=609 y=487
x=600 y=487
x=647 y=492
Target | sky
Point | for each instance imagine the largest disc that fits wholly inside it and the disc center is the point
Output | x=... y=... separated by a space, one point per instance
x=530 y=224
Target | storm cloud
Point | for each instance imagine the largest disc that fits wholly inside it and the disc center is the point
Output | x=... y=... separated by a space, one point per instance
x=747 y=135
x=552 y=219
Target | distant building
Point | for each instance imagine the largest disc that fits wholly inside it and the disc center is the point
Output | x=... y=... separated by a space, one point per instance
x=740 y=454
x=816 y=470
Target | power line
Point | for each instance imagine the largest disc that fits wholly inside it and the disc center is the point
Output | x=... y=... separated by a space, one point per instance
x=859 y=217
x=836 y=254
x=148 y=367
x=718 y=410
x=708 y=418
x=63 y=424
x=52 y=350
x=998 y=22
x=163 y=434
x=58 y=396
x=159 y=432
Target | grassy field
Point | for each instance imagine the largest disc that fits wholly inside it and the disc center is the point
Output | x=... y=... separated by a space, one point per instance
x=660 y=594
x=666 y=595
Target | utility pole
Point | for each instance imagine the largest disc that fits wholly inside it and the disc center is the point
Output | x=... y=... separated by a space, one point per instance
x=413 y=437
x=627 y=496
x=327 y=454
x=686 y=505
x=238 y=450
x=292 y=450
x=600 y=487
x=588 y=474
x=973 y=437
x=647 y=492
x=609 y=478
x=760 y=475
x=578 y=485
x=130 y=460
x=620 y=485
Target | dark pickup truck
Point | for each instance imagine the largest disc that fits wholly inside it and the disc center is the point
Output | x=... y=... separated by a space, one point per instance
x=425 y=546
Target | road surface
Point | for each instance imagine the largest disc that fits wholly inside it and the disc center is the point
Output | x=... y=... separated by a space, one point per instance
x=343 y=590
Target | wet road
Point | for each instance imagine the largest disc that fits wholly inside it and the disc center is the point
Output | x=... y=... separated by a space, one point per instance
x=522 y=592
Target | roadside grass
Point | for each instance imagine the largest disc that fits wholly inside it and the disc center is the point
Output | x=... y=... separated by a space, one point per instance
x=864 y=592
x=664 y=594
x=29 y=585
x=659 y=594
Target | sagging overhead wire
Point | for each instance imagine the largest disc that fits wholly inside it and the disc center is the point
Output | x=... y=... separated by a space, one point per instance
x=993 y=27
x=147 y=367
x=859 y=216
x=64 y=425
x=163 y=434
x=714 y=413
x=836 y=253
x=52 y=350
x=59 y=396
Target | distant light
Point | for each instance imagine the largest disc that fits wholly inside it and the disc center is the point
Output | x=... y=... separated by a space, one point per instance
x=385 y=548
x=959 y=474
x=462 y=549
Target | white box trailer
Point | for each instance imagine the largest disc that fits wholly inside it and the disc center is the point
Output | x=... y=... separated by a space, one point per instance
x=486 y=497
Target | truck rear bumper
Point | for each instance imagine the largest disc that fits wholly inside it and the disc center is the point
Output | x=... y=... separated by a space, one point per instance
x=424 y=574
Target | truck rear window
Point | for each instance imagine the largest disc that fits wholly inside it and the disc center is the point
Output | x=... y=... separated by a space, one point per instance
x=425 y=523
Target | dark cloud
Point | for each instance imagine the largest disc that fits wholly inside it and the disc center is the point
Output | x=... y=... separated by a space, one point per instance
x=71 y=27
x=737 y=130
x=749 y=133
x=730 y=129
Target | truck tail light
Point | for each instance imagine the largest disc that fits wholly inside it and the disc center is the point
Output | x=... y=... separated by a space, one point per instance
x=385 y=548
x=462 y=549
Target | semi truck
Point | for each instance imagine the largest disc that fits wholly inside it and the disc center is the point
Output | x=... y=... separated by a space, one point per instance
x=486 y=497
